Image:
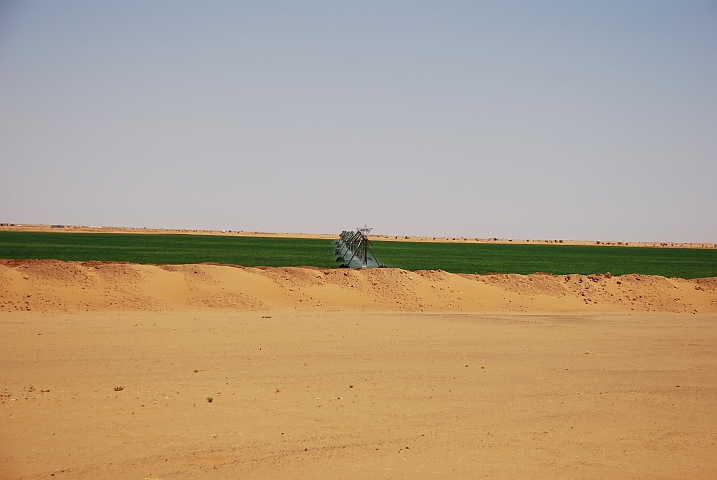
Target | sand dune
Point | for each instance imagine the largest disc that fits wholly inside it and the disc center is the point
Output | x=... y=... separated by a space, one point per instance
x=107 y=371
x=53 y=286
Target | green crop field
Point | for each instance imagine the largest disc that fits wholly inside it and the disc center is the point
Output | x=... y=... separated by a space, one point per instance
x=277 y=252
x=558 y=259
x=168 y=249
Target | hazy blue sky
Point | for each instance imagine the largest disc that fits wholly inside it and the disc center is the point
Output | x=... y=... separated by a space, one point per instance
x=580 y=120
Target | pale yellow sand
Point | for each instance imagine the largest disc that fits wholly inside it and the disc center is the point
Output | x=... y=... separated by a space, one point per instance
x=321 y=375
x=53 y=286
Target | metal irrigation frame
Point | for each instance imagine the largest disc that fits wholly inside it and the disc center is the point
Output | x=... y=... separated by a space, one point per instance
x=356 y=244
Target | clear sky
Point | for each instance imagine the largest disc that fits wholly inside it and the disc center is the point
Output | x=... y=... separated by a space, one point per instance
x=538 y=119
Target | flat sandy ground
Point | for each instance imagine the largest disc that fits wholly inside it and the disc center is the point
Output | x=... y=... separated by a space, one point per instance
x=106 y=371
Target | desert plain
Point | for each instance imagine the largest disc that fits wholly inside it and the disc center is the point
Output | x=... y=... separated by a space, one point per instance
x=111 y=370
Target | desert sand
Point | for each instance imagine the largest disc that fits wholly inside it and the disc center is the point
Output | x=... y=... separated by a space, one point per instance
x=107 y=370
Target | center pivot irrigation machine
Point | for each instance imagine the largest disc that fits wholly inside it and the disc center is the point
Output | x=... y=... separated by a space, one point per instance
x=353 y=250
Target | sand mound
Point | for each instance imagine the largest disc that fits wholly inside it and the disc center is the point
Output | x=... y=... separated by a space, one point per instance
x=54 y=286
x=109 y=368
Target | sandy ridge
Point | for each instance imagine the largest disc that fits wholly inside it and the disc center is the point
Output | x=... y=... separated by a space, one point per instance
x=54 y=286
x=118 y=370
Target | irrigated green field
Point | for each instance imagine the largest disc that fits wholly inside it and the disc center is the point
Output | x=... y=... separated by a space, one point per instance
x=168 y=249
x=277 y=252
x=558 y=259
